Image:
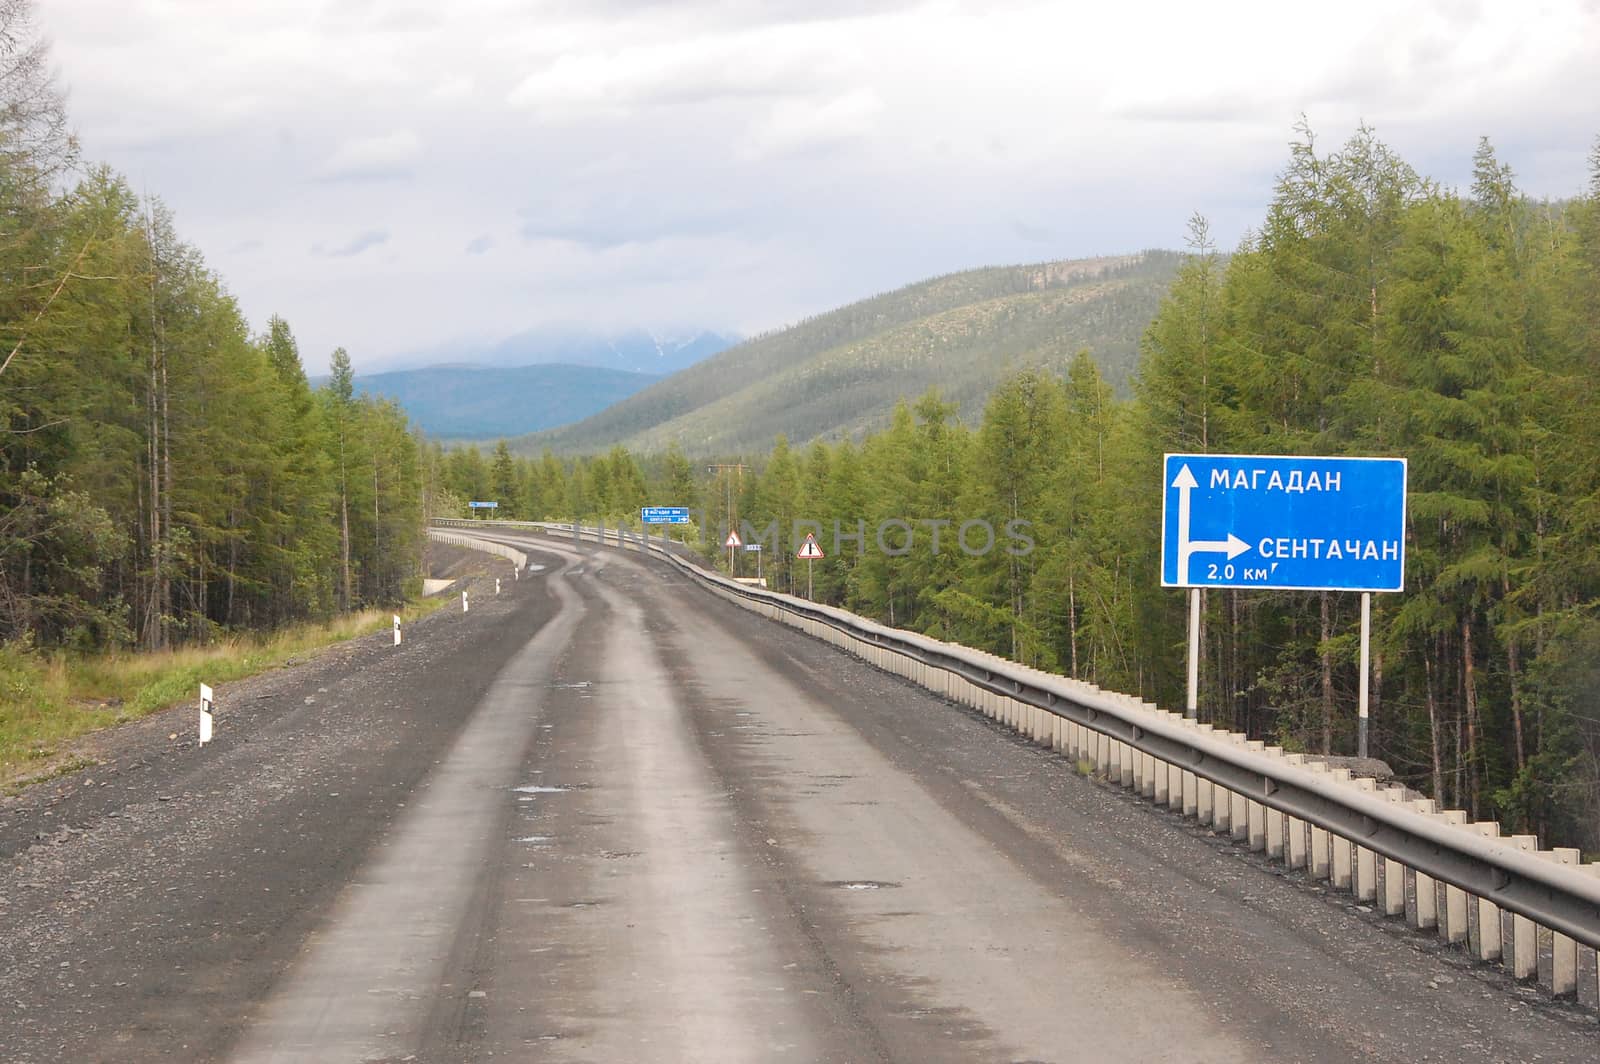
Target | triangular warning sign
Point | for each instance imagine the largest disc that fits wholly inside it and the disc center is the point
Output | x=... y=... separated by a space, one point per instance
x=809 y=549
x=733 y=540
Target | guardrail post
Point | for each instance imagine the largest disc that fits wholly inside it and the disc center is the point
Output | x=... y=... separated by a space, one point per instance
x=1205 y=792
x=1266 y=826
x=1238 y=801
x=1451 y=902
x=1222 y=799
x=1340 y=848
x=1558 y=954
x=1588 y=963
x=1483 y=915
x=1255 y=814
x=1291 y=833
x=1519 y=945
x=1392 y=874
x=1190 y=791
x=1421 y=896
x=1366 y=885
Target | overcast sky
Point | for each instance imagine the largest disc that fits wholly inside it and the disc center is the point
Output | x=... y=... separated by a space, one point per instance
x=392 y=175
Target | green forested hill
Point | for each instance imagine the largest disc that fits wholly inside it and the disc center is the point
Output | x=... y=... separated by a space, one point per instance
x=842 y=372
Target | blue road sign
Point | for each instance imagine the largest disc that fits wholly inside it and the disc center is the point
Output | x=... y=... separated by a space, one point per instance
x=664 y=515
x=484 y=505
x=1262 y=521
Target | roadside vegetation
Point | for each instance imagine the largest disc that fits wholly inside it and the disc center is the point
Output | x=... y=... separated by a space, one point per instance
x=48 y=698
x=176 y=501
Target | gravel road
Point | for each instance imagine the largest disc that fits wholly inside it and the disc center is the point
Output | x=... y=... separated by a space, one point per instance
x=606 y=816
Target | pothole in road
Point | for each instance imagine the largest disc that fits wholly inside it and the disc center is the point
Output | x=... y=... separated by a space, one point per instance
x=861 y=884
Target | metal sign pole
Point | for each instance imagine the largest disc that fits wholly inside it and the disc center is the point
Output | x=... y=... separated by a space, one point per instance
x=1192 y=705
x=1366 y=671
x=808 y=578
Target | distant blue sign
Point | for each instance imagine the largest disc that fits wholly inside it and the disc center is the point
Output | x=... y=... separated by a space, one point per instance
x=664 y=515
x=484 y=505
x=1262 y=521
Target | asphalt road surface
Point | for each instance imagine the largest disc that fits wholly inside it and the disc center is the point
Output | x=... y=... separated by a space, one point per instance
x=606 y=816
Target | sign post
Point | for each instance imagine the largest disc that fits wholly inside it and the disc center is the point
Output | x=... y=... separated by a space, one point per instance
x=483 y=506
x=733 y=543
x=1283 y=522
x=810 y=552
x=755 y=548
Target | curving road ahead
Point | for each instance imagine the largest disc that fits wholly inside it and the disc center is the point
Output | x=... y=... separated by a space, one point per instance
x=609 y=817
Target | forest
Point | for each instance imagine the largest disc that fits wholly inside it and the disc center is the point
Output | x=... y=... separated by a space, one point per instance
x=1373 y=312
x=164 y=474
x=167 y=475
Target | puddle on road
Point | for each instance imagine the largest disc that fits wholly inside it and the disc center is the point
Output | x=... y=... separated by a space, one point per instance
x=861 y=884
x=537 y=838
x=533 y=788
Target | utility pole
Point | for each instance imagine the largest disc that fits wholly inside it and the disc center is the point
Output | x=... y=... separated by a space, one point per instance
x=722 y=469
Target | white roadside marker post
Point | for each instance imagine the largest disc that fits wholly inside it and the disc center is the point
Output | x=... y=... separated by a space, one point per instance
x=205 y=714
x=463 y=602
x=497 y=585
x=397 y=629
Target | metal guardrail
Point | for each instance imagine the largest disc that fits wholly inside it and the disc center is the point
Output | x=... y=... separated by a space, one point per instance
x=1562 y=898
x=502 y=550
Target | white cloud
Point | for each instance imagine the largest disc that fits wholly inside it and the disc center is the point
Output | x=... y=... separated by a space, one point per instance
x=739 y=163
x=386 y=157
x=794 y=126
x=355 y=245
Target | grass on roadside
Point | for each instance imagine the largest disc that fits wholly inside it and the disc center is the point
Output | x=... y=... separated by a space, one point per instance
x=48 y=699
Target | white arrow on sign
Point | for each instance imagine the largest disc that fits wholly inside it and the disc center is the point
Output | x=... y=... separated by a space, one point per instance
x=1233 y=546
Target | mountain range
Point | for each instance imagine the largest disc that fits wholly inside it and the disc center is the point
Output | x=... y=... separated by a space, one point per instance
x=489 y=402
x=842 y=372
x=532 y=380
x=631 y=350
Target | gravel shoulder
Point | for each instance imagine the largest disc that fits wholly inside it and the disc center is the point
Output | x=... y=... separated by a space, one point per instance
x=146 y=901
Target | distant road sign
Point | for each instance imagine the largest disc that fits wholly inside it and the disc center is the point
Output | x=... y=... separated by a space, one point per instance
x=733 y=540
x=753 y=548
x=809 y=549
x=664 y=515
x=1265 y=521
x=484 y=505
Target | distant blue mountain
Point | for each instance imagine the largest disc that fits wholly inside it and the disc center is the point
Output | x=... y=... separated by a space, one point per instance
x=636 y=350
x=485 y=402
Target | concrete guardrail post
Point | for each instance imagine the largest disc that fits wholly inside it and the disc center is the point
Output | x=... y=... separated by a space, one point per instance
x=1483 y=916
x=1392 y=874
x=1518 y=943
x=1422 y=899
x=1558 y=954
